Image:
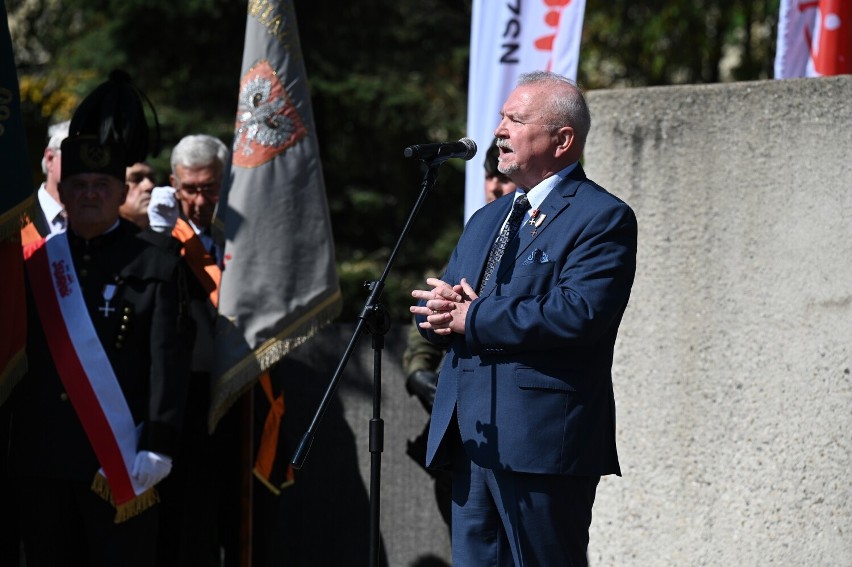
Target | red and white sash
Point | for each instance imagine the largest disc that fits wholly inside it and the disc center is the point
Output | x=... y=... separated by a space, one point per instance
x=83 y=366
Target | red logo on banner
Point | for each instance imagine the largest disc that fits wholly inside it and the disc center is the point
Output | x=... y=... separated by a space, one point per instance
x=545 y=43
x=63 y=279
x=267 y=121
x=832 y=49
x=829 y=36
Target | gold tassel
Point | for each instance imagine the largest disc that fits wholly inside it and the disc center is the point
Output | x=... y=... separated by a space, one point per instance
x=276 y=490
x=128 y=510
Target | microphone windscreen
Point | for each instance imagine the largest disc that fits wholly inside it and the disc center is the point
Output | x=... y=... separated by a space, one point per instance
x=471 y=148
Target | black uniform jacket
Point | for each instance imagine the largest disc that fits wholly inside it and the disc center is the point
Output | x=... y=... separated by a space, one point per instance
x=146 y=338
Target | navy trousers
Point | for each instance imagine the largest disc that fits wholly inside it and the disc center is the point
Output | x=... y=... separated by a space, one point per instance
x=503 y=518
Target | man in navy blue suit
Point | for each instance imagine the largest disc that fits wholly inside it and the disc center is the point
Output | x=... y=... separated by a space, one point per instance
x=529 y=308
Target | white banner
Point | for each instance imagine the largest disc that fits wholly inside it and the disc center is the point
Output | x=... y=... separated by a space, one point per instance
x=509 y=38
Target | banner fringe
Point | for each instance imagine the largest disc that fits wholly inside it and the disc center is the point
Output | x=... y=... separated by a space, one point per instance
x=276 y=490
x=124 y=512
x=227 y=388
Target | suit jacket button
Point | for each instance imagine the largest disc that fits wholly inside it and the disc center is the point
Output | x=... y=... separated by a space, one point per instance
x=118 y=346
x=63 y=397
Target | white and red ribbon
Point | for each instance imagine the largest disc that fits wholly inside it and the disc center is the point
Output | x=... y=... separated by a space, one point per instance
x=82 y=363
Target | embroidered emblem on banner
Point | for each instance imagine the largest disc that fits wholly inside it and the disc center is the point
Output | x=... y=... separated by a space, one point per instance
x=63 y=279
x=267 y=121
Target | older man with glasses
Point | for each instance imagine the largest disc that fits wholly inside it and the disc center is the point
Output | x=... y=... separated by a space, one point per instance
x=194 y=501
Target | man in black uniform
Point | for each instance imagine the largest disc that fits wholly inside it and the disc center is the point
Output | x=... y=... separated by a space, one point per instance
x=97 y=417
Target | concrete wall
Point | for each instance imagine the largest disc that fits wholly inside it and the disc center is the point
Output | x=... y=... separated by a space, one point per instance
x=732 y=374
x=732 y=371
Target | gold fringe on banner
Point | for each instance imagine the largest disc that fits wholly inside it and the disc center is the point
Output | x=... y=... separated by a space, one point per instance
x=242 y=375
x=128 y=510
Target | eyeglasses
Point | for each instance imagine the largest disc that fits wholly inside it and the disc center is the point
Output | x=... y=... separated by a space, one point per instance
x=209 y=190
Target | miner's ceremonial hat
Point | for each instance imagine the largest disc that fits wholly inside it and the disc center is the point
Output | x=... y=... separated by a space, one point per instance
x=114 y=113
x=87 y=154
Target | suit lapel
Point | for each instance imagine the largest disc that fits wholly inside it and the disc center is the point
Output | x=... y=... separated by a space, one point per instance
x=555 y=204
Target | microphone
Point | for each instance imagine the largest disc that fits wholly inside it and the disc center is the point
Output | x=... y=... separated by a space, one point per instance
x=441 y=151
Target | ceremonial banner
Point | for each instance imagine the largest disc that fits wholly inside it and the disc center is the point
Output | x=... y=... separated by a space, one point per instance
x=16 y=192
x=814 y=38
x=507 y=39
x=279 y=283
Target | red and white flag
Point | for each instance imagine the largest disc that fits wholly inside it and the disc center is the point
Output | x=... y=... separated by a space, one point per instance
x=814 y=38
x=507 y=39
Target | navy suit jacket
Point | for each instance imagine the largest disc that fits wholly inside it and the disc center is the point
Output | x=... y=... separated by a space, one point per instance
x=530 y=380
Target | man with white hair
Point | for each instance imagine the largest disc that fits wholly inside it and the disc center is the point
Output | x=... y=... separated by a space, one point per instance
x=193 y=499
x=49 y=217
x=529 y=309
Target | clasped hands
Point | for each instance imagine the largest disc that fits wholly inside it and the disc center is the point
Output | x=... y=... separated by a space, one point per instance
x=445 y=305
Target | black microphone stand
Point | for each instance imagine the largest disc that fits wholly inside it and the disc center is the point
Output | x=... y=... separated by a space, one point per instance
x=375 y=319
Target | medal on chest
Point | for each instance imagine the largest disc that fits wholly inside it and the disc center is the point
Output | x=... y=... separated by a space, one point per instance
x=536 y=218
x=108 y=294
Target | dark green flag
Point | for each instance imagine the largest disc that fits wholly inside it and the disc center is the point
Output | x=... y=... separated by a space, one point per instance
x=15 y=192
x=16 y=188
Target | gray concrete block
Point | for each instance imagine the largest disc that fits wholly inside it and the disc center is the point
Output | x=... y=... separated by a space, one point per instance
x=732 y=372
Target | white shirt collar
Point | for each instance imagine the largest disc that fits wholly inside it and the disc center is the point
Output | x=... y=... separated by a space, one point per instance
x=52 y=210
x=539 y=193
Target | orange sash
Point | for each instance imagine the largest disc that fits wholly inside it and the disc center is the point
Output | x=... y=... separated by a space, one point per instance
x=209 y=276
x=199 y=260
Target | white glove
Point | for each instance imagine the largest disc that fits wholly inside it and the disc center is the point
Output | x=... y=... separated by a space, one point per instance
x=163 y=209
x=149 y=468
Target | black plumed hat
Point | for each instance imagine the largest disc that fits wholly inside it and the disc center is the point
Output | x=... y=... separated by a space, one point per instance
x=115 y=113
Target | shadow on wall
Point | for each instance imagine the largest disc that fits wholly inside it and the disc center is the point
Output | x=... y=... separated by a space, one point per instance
x=319 y=520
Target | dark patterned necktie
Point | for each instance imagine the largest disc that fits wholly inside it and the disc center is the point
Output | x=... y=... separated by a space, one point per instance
x=511 y=227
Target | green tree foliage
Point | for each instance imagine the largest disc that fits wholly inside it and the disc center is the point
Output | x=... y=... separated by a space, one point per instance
x=383 y=75
x=666 y=42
